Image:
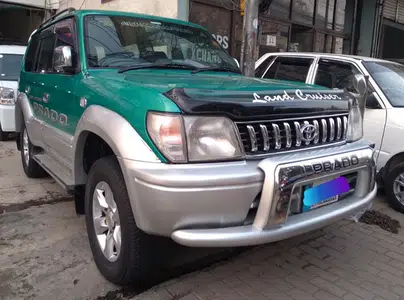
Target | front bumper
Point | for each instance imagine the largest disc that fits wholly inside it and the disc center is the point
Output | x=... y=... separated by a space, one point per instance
x=207 y=205
x=7 y=123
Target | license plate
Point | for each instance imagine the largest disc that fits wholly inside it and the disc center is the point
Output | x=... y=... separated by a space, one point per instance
x=323 y=192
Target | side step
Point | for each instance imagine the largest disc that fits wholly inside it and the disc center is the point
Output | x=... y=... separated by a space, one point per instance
x=59 y=172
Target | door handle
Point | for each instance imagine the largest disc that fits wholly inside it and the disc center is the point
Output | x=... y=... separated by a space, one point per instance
x=27 y=90
x=45 y=97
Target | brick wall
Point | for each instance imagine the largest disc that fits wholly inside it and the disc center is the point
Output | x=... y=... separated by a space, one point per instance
x=164 y=8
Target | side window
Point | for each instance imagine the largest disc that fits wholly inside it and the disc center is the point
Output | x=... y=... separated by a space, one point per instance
x=335 y=74
x=65 y=36
x=45 y=54
x=31 y=55
x=263 y=66
x=290 y=68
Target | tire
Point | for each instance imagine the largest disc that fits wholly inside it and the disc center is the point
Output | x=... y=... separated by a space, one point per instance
x=139 y=253
x=2 y=135
x=391 y=185
x=31 y=168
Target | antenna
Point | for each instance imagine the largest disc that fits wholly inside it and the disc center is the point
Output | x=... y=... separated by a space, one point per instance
x=65 y=11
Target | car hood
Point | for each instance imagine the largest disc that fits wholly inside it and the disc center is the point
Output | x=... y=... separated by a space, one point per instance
x=235 y=95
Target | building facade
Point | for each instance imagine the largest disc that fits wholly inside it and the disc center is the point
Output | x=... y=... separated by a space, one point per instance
x=288 y=25
x=164 y=8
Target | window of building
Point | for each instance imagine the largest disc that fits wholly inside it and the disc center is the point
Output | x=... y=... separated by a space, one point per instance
x=289 y=68
x=301 y=39
x=303 y=11
x=330 y=14
x=340 y=15
x=280 y=9
x=321 y=13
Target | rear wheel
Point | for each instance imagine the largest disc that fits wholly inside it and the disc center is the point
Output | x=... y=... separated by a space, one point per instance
x=122 y=252
x=394 y=186
x=31 y=168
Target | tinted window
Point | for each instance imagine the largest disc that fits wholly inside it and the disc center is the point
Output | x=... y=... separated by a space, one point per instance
x=31 y=55
x=289 y=68
x=390 y=78
x=65 y=36
x=334 y=74
x=118 y=41
x=45 y=55
x=263 y=66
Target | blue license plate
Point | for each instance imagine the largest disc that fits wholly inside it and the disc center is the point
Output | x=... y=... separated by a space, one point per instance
x=323 y=193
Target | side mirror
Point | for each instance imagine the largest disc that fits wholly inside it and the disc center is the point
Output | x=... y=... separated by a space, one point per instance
x=360 y=84
x=238 y=64
x=62 y=58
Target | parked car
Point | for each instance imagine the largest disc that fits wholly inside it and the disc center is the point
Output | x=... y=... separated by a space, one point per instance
x=149 y=122
x=10 y=65
x=383 y=120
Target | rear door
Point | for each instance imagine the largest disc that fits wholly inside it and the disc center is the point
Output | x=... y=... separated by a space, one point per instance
x=290 y=68
x=339 y=74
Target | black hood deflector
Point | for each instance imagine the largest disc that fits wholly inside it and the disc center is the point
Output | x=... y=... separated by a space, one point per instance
x=271 y=104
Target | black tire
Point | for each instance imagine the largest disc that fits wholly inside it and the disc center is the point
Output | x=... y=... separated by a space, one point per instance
x=2 y=135
x=31 y=168
x=389 y=187
x=140 y=252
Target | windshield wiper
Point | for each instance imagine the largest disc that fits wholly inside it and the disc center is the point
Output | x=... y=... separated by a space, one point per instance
x=218 y=69
x=161 y=66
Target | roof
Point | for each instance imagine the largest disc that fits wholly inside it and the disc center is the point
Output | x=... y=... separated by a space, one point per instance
x=12 y=49
x=330 y=55
x=84 y=12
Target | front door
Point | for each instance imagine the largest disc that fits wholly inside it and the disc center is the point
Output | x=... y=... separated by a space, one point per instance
x=55 y=92
x=63 y=102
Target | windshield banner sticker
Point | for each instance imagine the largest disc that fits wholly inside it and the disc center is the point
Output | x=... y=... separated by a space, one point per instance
x=298 y=94
x=156 y=25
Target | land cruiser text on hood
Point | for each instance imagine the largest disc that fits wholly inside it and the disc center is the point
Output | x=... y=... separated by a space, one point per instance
x=149 y=123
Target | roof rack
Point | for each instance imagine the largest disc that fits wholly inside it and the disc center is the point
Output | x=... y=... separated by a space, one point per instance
x=65 y=11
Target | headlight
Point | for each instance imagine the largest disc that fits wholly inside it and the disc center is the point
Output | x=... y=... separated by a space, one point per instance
x=194 y=139
x=7 y=96
x=355 y=122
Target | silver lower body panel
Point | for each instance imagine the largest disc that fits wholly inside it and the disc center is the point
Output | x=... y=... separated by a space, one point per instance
x=208 y=205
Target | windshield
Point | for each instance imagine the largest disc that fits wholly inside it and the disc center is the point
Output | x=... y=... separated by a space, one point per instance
x=10 y=66
x=122 y=41
x=390 y=78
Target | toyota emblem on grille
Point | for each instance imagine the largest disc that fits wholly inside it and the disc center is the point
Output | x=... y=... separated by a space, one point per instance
x=308 y=133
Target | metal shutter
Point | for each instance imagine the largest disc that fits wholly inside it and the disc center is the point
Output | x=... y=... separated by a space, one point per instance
x=390 y=9
x=400 y=14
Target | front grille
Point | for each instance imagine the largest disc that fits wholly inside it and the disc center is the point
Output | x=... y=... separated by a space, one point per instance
x=274 y=136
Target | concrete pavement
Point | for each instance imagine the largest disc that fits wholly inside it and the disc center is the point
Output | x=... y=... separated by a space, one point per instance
x=44 y=254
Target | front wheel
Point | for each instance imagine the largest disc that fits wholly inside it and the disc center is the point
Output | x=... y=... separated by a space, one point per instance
x=122 y=252
x=394 y=186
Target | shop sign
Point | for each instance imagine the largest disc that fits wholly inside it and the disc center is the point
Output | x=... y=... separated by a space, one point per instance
x=271 y=40
x=223 y=40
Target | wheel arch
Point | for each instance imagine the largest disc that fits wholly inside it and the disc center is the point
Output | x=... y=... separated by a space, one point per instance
x=117 y=133
x=393 y=161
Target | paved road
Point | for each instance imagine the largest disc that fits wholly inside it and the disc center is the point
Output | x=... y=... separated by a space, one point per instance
x=44 y=254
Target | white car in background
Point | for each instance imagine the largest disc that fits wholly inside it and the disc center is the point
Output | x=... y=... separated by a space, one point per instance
x=10 y=66
x=384 y=112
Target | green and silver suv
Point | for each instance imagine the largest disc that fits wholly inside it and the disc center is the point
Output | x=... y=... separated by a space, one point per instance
x=150 y=124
